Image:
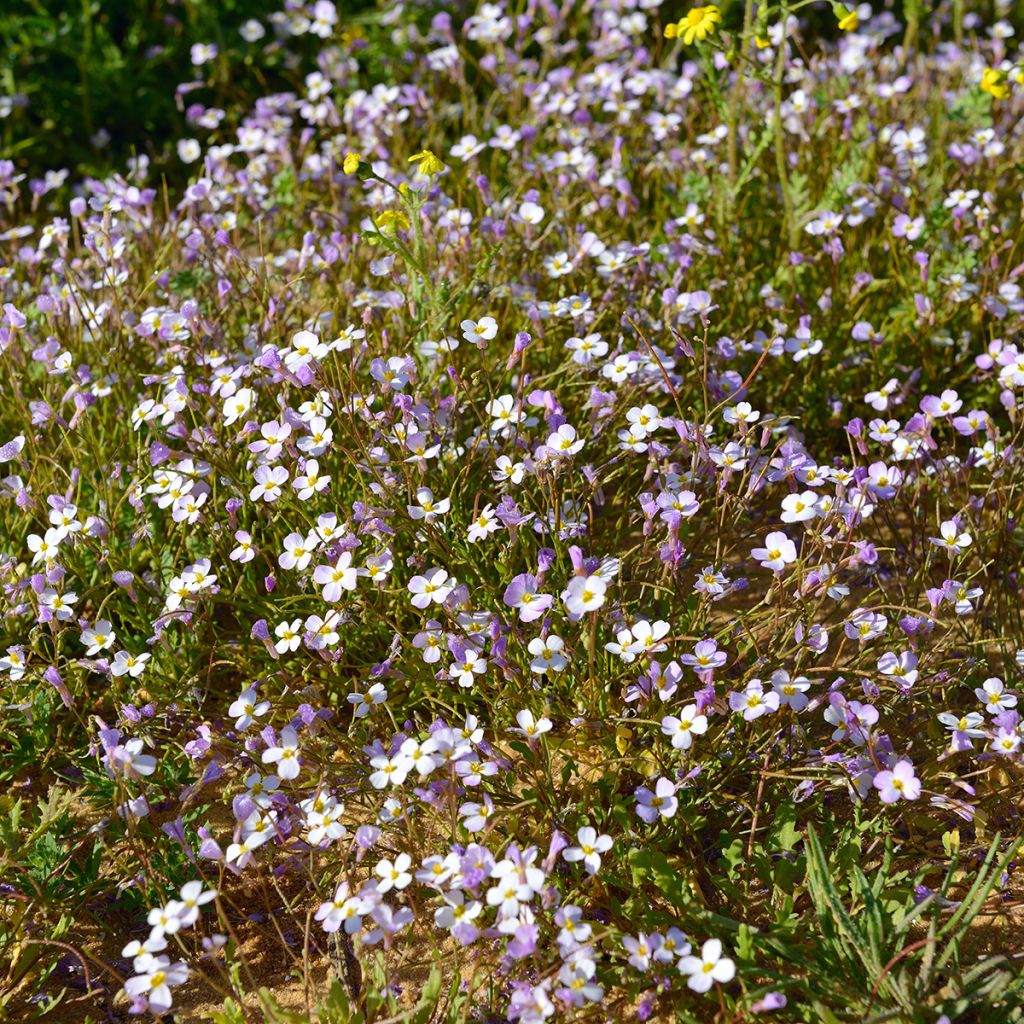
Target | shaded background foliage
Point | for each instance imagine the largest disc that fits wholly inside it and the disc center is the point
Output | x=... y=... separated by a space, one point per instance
x=89 y=83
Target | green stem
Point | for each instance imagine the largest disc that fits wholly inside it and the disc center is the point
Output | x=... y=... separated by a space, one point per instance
x=780 y=142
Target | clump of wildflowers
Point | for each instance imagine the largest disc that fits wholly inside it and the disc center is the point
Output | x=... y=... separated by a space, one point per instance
x=523 y=548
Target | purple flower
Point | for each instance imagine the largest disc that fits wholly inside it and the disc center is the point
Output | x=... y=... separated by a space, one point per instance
x=706 y=657
x=769 y=1001
x=522 y=594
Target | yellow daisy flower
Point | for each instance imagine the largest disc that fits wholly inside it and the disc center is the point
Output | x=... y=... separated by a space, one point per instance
x=994 y=83
x=698 y=24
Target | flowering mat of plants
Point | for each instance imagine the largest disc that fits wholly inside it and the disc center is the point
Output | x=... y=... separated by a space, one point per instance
x=530 y=532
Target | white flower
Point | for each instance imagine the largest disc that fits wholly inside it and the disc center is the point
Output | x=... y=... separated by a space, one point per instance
x=323 y=824
x=298 y=551
x=475 y=816
x=994 y=695
x=269 y=481
x=311 y=482
x=60 y=605
x=194 y=895
x=584 y=594
x=427 y=507
x=336 y=578
x=285 y=756
x=45 y=548
x=389 y=770
x=319 y=438
x=709 y=967
x=244 y=552
x=125 y=664
x=798 y=508
x=591 y=846
x=456 y=910
x=643 y=420
x=238 y=405
x=393 y=874
x=1005 y=742
x=547 y=654
x=247 y=708
x=505 y=412
x=433 y=586
x=531 y=213
x=483 y=525
x=240 y=853
x=951 y=539
x=421 y=754
x=252 y=31
x=344 y=911
x=529 y=728
x=792 y=692
x=753 y=702
x=156 y=976
x=324 y=631
x=364 y=703
x=507 y=471
x=132 y=761
x=681 y=730
x=472 y=664
x=289 y=636
x=467 y=147
x=98 y=637
x=189 y=150
x=14 y=663
x=588 y=348
x=259 y=787
x=479 y=331
x=741 y=412
x=564 y=442
x=778 y=552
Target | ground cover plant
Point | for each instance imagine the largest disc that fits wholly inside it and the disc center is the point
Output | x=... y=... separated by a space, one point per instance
x=531 y=531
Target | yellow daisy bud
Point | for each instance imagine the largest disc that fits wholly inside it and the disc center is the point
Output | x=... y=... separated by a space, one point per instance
x=391 y=220
x=351 y=164
x=429 y=164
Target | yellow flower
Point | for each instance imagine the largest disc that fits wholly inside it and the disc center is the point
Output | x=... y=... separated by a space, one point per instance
x=849 y=22
x=351 y=164
x=429 y=164
x=391 y=221
x=762 y=42
x=698 y=24
x=994 y=83
x=623 y=738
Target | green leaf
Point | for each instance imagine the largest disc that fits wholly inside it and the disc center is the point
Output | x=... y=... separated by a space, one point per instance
x=428 y=998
